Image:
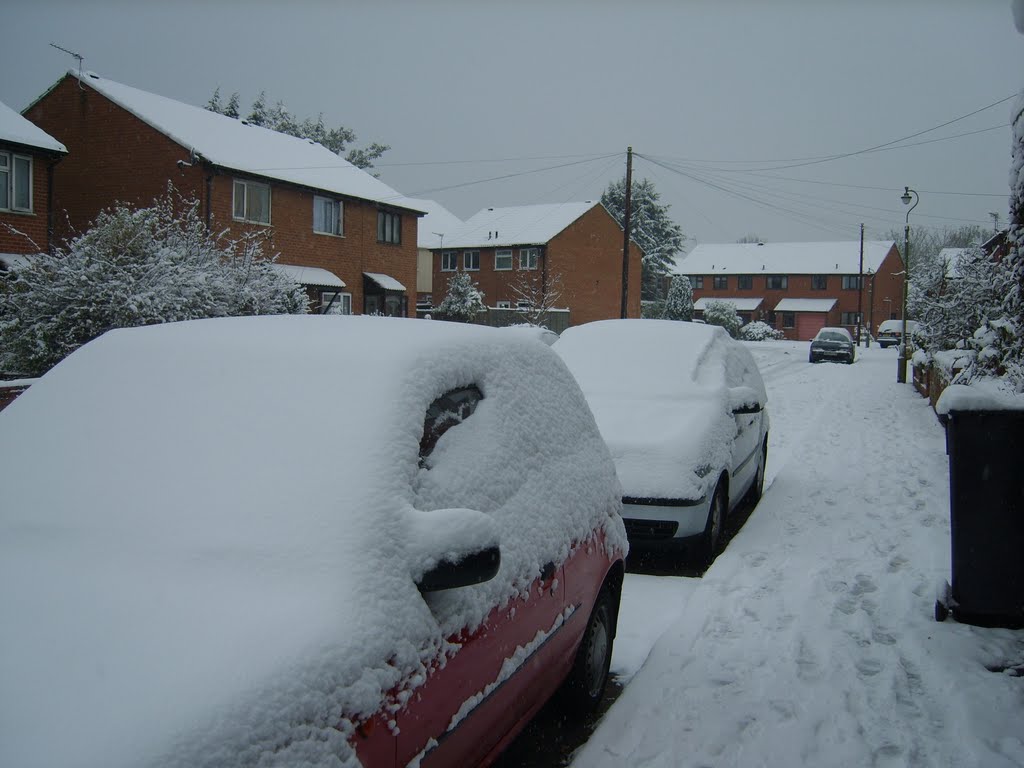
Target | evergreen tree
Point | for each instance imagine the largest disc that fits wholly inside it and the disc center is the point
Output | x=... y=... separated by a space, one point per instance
x=231 y=110
x=679 y=305
x=258 y=113
x=134 y=267
x=723 y=313
x=214 y=103
x=651 y=228
x=464 y=300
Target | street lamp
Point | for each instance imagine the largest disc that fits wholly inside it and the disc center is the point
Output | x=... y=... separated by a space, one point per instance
x=901 y=361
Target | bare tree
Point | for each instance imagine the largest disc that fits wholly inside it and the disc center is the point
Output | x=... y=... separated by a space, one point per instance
x=536 y=294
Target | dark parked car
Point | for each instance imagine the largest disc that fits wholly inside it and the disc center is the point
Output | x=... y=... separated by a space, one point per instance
x=285 y=541
x=832 y=344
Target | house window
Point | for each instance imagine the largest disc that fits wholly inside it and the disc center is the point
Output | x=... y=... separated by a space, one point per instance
x=327 y=216
x=389 y=227
x=524 y=305
x=851 y=282
x=449 y=261
x=721 y=283
x=819 y=283
x=252 y=202
x=335 y=303
x=745 y=282
x=471 y=260
x=697 y=282
x=789 y=319
x=528 y=258
x=850 y=318
x=502 y=261
x=777 y=283
x=15 y=182
x=504 y=304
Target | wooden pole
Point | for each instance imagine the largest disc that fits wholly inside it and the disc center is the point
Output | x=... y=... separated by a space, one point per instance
x=625 y=232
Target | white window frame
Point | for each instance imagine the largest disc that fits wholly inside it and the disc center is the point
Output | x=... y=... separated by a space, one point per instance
x=337 y=218
x=11 y=181
x=475 y=255
x=851 y=282
x=524 y=304
x=245 y=185
x=389 y=227
x=452 y=258
x=499 y=257
x=503 y=305
x=342 y=306
x=529 y=258
x=783 y=281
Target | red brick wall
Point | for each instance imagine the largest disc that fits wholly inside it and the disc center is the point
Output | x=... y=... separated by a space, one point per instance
x=33 y=226
x=114 y=156
x=587 y=255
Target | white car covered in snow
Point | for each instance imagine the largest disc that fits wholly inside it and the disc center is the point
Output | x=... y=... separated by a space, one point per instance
x=682 y=407
x=284 y=541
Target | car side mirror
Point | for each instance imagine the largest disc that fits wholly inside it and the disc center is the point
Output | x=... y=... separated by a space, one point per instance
x=475 y=568
x=744 y=400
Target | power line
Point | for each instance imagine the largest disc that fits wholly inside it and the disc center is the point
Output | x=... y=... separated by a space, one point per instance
x=489 y=160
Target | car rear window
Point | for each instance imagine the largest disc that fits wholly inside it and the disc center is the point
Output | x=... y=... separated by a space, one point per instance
x=831 y=336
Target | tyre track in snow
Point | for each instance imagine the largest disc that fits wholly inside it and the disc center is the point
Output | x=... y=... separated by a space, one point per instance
x=810 y=641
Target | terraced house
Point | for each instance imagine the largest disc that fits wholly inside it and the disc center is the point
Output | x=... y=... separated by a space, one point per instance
x=345 y=235
x=800 y=288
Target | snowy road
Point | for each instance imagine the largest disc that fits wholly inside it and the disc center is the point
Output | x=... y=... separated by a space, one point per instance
x=811 y=641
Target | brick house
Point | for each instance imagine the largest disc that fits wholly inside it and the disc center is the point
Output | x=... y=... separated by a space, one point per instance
x=573 y=250
x=28 y=156
x=432 y=229
x=799 y=288
x=353 y=235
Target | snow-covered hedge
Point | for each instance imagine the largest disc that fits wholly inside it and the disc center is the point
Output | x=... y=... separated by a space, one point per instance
x=723 y=313
x=759 y=331
x=134 y=267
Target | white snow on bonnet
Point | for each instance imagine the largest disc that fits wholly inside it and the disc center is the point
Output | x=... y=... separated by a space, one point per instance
x=230 y=143
x=219 y=554
x=16 y=129
x=658 y=390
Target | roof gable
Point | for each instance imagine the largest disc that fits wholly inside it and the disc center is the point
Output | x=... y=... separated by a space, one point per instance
x=831 y=258
x=16 y=129
x=517 y=225
x=436 y=225
x=235 y=145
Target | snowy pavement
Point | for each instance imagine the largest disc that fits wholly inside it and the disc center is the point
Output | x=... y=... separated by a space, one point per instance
x=811 y=640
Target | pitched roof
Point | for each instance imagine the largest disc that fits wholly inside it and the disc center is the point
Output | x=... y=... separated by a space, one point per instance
x=837 y=258
x=17 y=130
x=517 y=225
x=436 y=225
x=235 y=145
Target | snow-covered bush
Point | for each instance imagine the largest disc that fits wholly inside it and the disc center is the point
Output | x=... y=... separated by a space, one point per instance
x=759 y=331
x=652 y=310
x=723 y=313
x=464 y=299
x=679 y=305
x=134 y=267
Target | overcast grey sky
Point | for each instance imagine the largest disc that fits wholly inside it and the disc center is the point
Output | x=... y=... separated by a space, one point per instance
x=705 y=92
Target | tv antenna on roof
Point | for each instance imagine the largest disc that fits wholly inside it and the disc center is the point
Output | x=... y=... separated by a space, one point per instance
x=77 y=56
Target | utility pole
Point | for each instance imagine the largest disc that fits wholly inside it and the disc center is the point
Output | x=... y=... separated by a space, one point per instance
x=860 y=286
x=995 y=221
x=625 y=231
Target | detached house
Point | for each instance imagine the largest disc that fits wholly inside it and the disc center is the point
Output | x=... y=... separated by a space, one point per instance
x=345 y=235
x=799 y=288
x=570 y=253
x=28 y=156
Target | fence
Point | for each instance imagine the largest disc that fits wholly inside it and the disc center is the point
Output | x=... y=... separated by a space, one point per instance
x=556 y=320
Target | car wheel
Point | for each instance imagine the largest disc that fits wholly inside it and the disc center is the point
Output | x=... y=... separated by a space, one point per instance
x=712 y=535
x=584 y=687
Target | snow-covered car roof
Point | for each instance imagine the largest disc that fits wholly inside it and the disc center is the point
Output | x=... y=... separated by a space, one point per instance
x=659 y=390
x=833 y=330
x=210 y=529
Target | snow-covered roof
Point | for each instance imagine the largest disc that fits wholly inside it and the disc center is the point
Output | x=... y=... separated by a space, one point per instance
x=436 y=225
x=310 y=275
x=516 y=225
x=837 y=258
x=805 y=305
x=387 y=282
x=17 y=130
x=235 y=145
x=746 y=304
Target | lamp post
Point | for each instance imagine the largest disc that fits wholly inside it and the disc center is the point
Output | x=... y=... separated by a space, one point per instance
x=901 y=361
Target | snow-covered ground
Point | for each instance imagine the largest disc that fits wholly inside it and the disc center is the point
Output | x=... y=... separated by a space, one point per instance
x=811 y=640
